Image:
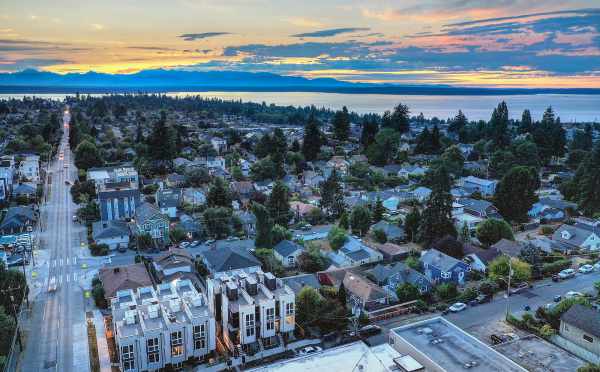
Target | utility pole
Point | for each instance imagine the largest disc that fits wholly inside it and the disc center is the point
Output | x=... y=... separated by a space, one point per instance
x=508 y=286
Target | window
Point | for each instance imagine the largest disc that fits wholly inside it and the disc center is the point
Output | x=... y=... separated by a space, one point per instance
x=176 y=344
x=249 y=325
x=588 y=338
x=199 y=337
x=289 y=308
x=270 y=319
x=127 y=357
x=445 y=275
x=290 y=260
x=152 y=348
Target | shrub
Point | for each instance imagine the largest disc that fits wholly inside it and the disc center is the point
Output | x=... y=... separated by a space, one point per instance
x=468 y=295
x=446 y=291
x=98 y=249
x=380 y=236
x=337 y=237
x=555 y=267
x=546 y=230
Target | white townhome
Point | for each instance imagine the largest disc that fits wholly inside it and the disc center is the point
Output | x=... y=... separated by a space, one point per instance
x=154 y=329
x=257 y=311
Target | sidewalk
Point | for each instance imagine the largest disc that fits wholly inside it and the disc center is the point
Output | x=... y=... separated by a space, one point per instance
x=103 y=354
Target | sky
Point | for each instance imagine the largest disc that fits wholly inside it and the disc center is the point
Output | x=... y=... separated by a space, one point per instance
x=490 y=43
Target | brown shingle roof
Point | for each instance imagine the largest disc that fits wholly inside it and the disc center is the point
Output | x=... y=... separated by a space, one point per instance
x=123 y=277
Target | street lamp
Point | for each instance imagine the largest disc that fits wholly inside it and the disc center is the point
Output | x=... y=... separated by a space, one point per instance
x=508 y=286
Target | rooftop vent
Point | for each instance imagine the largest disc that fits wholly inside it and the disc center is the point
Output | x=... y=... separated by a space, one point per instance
x=153 y=311
x=174 y=305
x=424 y=331
x=130 y=317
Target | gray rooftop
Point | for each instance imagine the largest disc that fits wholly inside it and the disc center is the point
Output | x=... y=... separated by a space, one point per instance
x=584 y=318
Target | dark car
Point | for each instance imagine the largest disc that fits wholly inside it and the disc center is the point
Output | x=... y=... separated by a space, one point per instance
x=519 y=288
x=482 y=298
x=555 y=278
x=557 y=298
x=369 y=330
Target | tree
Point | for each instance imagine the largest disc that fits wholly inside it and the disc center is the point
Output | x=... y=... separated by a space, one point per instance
x=428 y=142
x=341 y=124
x=218 y=194
x=400 y=119
x=407 y=292
x=280 y=233
x=411 y=224
x=549 y=135
x=7 y=330
x=515 y=193
x=217 y=222
x=87 y=155
x=344 y=221
x=589 y=368
x=342 y=295
x=278 y=205
x=499 y=269
x=337 y=237
x=526 y=122
x=264 y=226
x=465 y=233
x=384 y=148
x=501 y=162
x=311 y=145
x=492 y=230
x=162 y=141
x=369 y=131
x=446 y=291
x=453 y=159
x=378 y=210
x=308 y=304
x=360 y=220
x=499 y=126
x=576 y=158
x=332 y=195
x=458 y=123
x=380 y=236
x=264 y=169
x=436 y=221
x=311 y=260
x=590 y=184
x=582 y=139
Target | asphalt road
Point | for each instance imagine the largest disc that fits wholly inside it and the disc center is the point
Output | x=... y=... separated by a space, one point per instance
x=482 y=320
x=56 y=338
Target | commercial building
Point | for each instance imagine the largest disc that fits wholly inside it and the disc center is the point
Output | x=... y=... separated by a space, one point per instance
x=440 y=346
x=162 y=328
x=253 y=310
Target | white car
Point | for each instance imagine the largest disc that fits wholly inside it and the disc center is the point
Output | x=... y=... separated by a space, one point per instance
x=459 y=306
x=309 y=350
x=573 y=294
x=586 y=269
x=183 y=244
x=566 y=273
x=597 y=266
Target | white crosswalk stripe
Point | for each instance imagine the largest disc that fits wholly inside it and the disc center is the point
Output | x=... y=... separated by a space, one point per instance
x=67 y=261
x=74 y=277
x=60 y=278
x=68 y=278
x=74 y=260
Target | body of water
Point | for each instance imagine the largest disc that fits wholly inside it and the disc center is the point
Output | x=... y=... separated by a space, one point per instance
x=570 y=107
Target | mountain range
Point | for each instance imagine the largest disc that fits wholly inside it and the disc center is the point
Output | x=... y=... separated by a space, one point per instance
x=161 y=80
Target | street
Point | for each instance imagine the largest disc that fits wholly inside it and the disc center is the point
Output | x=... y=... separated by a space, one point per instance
x=55 y=331
x=483 y=320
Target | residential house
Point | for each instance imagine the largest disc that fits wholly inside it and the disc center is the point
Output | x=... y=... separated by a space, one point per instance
x=353 y=253
x=479 y=208
x=113 y=175
x=412 y=171
x=248 y=220
x=287 y=252
x=176 y=264
x=551 y=210
x=113 y=233
x=120 y=278
x=194 y=196
x=364 y=295
x=479 y=258
x=243 y=189
x=580 y=328
x=393 y=232
x=393 y=252
x=441 y=268
x=149 y=220
x=18 y=219
x=168 y=201
x=25 y=190
x=256 y=310
x=219 y=144
x=297 y=282
x=301 y=210
x=229 y=260
x=340 y=164
x=117 y=200
x=421 y=193
x=176 y=180
x=191 y=226
x=484 y=186
x=29 y=169
x=391 y=276
x=510 y=248
x=570 y=238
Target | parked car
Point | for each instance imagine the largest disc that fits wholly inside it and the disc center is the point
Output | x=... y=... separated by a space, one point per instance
x=309 y=350
x=369 y=330
x=184 y=244
x=16 y=260
x=586 y=269
x=555 y=278
x=573 y=294
x=566 y=274
x=519 y=288
x=557 y=298
x=459 y=306
x=306 y=227
x=498 y=339
x=210 y=241
x=483 y=298
x=194 y=243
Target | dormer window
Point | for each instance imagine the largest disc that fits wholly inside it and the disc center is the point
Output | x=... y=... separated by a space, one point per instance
x=566 y=235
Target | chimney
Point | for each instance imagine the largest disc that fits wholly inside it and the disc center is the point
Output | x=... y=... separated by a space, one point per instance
x=116 y=270
x=270 y=281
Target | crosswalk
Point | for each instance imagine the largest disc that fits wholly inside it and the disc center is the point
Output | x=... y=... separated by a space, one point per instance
x=62 y=262
x=63 y=278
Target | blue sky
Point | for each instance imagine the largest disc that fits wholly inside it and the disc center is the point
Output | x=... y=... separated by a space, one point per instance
x=511 y=43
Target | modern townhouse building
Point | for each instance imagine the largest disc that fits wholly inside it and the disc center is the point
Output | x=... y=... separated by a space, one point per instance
x=253 y=311
x=162 y=328
x=29 y=169
x=113 y=174
x=118 y=200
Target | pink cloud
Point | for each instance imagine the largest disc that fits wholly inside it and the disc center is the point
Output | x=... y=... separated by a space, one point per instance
x=581 y=38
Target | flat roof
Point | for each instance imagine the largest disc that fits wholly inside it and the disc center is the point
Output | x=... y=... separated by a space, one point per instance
x=452 y=349
x=356 y=356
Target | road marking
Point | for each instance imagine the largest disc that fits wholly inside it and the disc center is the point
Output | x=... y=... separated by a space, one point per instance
x=67 y=261
x=60 y=278
x=74 y=276
x=61 y=262
x=68 y=278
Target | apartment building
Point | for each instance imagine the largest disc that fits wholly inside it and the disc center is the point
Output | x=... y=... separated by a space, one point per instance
x=118 y=200
x=253 y=311
x=113 y=174
x=29 y=169
x=162 y=328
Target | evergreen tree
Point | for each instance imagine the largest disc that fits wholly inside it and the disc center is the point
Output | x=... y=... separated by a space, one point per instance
x=385 y=147
x=526 y=122
x=264 y=226
x=278 y=205
x=378 y=210
x=342 y=295
x=411 y=224
x=311 y=146
x=549 y=135
x=590 y=184
x=87 y=155
x=458 y=123
x=400 y=119
x=465 y=233
x=436 y=221
x=332 y=196
x=515 y=193
x=582 y=139
x=344 y=221
x=341 y=124
x=360 y=220
x=499 y=126
x=162 y=141
x=218 y=194
x=369 y=131
x=278 y=151
x=491 y=231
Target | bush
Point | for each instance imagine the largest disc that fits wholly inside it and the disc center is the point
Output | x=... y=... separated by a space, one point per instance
x=555 y=267
x=98 y=295
x=421 y=306
x=446 y=291
x=337 y=237
x=468 y=294
x=407 y=292
x=98 y=249
x=546 y=230
x=380 y=236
